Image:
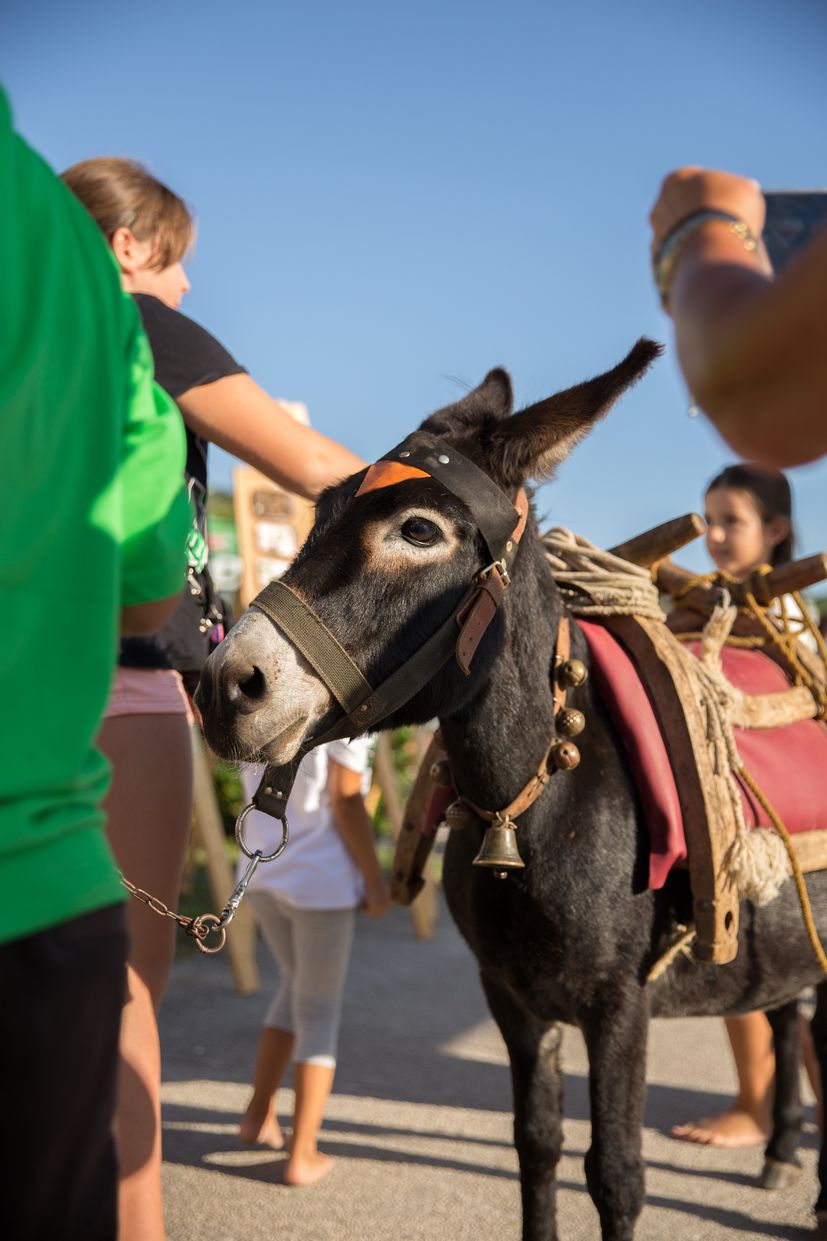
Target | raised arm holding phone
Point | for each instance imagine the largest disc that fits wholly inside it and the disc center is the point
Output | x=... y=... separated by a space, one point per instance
x=751 y=347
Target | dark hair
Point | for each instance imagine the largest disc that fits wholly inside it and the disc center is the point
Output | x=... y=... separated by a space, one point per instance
x=121 y=193
x=770 y=492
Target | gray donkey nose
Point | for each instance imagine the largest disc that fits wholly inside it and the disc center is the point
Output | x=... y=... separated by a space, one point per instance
x=245 y=686
x=230 y=681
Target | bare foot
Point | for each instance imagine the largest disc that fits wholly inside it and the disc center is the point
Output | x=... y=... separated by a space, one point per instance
x=266 y=1134
x=307 y=1169
x=730 y=1129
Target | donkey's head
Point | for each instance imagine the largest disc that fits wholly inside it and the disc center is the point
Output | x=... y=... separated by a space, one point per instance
x=395 y=557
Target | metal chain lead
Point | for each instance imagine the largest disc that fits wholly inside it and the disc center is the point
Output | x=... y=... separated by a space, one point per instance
x=204 y=925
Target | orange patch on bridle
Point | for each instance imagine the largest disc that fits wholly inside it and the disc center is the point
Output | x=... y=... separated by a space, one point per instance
x=386 y=474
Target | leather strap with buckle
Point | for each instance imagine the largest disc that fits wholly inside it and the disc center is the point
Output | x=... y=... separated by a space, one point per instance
x=419 y=456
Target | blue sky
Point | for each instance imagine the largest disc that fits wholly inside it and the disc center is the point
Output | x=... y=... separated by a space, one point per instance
x=393 y=198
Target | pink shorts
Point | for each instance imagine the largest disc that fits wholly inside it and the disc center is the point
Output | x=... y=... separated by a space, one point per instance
x=148 y=691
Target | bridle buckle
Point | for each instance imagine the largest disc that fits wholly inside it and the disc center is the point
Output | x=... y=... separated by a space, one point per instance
x=499 y=565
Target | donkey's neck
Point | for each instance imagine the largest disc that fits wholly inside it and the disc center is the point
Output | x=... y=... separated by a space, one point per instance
x=497 y=741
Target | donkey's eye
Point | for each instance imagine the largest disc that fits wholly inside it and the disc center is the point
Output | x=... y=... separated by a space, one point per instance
x=421 y=532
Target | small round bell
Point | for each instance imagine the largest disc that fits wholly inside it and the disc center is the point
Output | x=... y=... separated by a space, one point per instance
x=440 y=773
x=571 y=722
x=458 y=815
x=573 y=673
x=565 y=755
x=499 y=849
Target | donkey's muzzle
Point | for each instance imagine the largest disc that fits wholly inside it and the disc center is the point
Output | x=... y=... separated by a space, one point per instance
x=229 y=692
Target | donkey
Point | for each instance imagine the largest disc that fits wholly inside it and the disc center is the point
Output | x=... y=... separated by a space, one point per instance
x=571 y=938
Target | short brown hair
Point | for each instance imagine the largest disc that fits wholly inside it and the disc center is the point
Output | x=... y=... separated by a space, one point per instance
x=121 y=193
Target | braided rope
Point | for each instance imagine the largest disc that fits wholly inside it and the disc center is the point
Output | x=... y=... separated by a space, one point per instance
x=593 y=582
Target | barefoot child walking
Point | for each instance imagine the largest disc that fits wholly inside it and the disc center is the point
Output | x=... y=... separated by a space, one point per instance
x=305 y=903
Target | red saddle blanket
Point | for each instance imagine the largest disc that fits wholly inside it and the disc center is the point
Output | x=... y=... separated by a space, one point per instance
x=789 y=764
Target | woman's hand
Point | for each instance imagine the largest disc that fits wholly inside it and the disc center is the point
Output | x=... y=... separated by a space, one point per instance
x=377 y=899
x=693 y=189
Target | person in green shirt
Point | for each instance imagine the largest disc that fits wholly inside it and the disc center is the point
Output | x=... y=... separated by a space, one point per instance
x=93 y=524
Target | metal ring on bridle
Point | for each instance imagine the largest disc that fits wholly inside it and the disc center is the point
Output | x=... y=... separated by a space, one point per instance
x=239 y=835
x=204 y=925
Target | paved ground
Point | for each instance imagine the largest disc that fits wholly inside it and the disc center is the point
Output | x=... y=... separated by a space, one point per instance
x=420 y=1119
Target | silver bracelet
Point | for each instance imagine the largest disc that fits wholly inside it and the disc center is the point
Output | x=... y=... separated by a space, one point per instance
x=665 y=261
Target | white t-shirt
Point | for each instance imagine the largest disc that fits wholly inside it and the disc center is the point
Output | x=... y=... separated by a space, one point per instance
x=796 y=619
x=315 y=871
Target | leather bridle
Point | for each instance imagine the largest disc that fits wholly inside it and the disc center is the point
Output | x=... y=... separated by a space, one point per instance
x=501 y=524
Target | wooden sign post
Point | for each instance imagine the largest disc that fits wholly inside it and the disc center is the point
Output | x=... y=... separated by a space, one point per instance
x=270 y=523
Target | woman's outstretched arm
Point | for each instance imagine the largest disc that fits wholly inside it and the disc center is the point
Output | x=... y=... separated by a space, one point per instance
x=239 y=416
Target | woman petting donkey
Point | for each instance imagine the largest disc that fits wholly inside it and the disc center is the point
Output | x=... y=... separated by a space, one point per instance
x=145 y=733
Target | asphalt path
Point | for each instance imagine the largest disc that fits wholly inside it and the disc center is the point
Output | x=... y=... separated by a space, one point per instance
x=419 y=1123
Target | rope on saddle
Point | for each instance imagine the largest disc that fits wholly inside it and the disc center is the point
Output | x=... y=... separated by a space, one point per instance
x=784 y=631
x=594 y=582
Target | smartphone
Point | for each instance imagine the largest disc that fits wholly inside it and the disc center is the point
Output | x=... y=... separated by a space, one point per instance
x=794 y=217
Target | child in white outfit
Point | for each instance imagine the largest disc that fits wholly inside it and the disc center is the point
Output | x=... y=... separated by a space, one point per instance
x=305 y=902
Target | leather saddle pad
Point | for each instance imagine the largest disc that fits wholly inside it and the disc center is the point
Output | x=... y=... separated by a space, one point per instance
x=789 y=763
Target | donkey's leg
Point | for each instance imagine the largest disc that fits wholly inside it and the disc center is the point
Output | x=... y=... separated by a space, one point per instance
x=534 y=1053
x=616 y=1035
x=782 y=1167
x=819 y=1029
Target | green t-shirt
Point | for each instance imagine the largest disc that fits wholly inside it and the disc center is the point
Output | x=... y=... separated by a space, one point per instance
x=93 y=516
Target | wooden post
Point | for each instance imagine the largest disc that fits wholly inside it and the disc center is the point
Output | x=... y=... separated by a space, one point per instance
x=271 y=524
x=648 y=548
x=207 y=824
x=425 y=908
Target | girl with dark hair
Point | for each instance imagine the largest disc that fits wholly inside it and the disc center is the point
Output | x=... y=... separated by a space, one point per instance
x=749 y=523
x=145 y=733
x=749 y=519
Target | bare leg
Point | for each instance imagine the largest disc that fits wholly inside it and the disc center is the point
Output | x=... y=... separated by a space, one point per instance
x=148 y=817
x=748 y=1121
x=260 y=1123
x=312 y=1084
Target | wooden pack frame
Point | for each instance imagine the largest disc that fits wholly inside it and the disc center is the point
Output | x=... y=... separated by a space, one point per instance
x=706 y=803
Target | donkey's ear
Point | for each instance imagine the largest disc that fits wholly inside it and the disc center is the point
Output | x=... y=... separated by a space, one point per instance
x=494 y=396
x=534 y=442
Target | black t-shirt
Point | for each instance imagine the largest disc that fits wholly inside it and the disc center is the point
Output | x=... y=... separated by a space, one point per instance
x=186 y=356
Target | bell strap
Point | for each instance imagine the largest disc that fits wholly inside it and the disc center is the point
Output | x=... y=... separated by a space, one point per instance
x=531 y=791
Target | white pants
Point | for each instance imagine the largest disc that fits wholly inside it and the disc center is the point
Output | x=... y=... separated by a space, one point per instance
x=312 y=949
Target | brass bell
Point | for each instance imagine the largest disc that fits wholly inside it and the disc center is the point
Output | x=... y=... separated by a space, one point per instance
x=440 y=773
x=571 y=722
x=499 y=850
x=458 y=815
x=565 y=755
x=573 y=673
